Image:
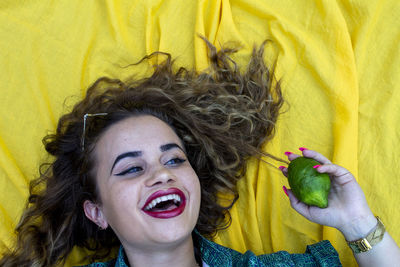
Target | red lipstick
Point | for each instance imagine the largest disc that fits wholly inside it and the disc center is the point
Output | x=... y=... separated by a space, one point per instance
x=173 y=194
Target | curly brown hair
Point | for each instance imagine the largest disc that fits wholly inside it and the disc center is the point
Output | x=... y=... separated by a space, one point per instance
x=222 y=115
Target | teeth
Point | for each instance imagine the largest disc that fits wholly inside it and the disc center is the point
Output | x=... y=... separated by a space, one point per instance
x=176 y=198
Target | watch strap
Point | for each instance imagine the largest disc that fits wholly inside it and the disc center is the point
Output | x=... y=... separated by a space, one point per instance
x=366 y=243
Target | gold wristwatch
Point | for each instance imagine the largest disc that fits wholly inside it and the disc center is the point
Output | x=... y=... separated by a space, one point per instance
x=373 y=238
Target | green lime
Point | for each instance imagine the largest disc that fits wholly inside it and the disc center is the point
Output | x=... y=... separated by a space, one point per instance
x=308 y=185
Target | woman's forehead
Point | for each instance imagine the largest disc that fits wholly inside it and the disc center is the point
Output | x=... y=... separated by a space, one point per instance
x=139 y=131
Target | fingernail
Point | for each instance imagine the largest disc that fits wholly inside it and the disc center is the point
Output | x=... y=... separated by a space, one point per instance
x=302 y=148
x=285 y=190
x=287 y=153
x=316 y=166
x=281 y=167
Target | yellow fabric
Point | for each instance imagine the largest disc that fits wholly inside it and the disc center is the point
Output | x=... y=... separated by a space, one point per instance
x=339 y=62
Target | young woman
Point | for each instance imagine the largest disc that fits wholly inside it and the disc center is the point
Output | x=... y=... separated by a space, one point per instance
x=139 y=164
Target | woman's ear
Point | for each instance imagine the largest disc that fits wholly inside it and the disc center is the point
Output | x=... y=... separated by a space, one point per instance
x=94 y=213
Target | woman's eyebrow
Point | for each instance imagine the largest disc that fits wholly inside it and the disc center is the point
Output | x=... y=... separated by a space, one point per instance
x=131 y=154
x=169 y=146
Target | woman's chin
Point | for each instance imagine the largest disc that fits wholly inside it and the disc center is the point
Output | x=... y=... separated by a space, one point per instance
x=171 y=233
x=172 y=225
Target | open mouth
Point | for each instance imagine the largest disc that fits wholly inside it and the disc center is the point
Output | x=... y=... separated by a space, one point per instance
x=165 y=204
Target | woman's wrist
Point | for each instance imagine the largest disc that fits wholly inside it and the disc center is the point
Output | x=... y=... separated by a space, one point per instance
x=359 y=228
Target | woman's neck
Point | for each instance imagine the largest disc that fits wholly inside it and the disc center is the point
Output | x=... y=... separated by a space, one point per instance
x=180 y=254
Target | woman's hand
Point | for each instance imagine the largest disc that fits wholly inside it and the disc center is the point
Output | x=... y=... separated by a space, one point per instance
x=347 y=210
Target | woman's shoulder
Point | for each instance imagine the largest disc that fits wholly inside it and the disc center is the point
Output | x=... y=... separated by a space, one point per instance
x=119 y=261
x=319 y=254
x=110 y=263
x=101 y=264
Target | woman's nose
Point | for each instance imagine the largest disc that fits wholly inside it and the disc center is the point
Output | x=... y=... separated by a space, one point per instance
x=160 y=176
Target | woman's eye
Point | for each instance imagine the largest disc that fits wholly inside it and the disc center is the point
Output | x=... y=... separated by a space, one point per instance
x=130 y=170
x=175 y=161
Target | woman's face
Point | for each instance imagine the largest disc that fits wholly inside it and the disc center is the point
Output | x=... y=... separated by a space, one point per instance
x=150 y=194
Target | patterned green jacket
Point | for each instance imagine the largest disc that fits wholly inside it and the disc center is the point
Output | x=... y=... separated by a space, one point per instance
x=212 y=254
